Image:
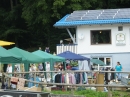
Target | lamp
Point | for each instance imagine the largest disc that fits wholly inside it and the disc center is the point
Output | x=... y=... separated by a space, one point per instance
x=61 y=41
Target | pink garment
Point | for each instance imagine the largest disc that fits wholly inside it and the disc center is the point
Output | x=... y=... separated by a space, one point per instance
x=70 y=78
x=80 y=78
x=63 y=79
x=73 y=79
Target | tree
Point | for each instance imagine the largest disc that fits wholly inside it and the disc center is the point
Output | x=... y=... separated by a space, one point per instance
x=30 y=22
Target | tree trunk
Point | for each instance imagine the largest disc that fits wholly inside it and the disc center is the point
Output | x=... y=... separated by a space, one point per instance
x=16 y=2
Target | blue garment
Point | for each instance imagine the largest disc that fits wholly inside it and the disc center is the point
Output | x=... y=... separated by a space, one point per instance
x=85 y=76
x=118 y=76
x=53 y=78
x=30 y=84
x=37 y=80
x=74 y=68
x=77 y=77
x=118 y=67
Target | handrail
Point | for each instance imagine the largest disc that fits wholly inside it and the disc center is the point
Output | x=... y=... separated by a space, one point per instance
x=79 y=71
x=77 y=85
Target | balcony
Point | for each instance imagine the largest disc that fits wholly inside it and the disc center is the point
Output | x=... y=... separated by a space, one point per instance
x=60 y=48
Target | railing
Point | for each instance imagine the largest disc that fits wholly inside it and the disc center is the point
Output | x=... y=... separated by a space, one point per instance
x=76 y=85
x=60 y=48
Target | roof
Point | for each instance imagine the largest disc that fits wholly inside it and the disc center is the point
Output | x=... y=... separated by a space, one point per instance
x=93 y=17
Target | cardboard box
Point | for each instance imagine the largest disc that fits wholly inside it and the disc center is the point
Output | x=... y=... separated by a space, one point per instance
x=92 y=81
x=34 y=88
x=100 y=80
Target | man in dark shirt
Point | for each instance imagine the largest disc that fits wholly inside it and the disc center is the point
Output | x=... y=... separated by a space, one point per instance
x=47 y=50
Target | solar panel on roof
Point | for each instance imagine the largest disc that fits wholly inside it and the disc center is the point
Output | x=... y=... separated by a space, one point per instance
x=122 y=17
x=72 y=19
x=77 y=15
x=99 y=14
x=80 y=11
x=87 y=15
x=105 y=17
x=88 y=18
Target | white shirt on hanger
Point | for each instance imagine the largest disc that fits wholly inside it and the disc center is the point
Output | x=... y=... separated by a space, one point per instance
x=9 y=69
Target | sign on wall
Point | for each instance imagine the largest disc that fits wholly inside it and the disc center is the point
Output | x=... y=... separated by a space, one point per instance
x=120 y=39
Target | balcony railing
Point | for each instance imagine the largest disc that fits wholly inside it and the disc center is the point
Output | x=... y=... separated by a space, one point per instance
x=66 y=47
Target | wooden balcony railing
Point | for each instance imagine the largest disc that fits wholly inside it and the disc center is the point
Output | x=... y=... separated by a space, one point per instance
x=60 y=48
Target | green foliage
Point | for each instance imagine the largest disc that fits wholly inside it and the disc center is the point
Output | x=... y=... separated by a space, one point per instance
x=37 y=17
x=91 y=93
x=86 y=93
x=116 y=94
x=74 y=63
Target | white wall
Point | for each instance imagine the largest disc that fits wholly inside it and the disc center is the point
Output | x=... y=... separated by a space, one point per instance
x=84 y=45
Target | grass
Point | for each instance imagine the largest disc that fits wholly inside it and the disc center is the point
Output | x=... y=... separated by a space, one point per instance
x=91 y=93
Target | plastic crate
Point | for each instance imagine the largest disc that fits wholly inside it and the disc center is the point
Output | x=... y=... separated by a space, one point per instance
x=125 y=80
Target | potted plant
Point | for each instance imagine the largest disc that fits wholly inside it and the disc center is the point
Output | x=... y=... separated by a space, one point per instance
x=74 y=64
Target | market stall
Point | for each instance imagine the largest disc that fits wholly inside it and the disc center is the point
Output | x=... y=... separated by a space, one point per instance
x=49 y=58
x=27 y=57
x=8 y=57
x=72 y=64
x=72 y=56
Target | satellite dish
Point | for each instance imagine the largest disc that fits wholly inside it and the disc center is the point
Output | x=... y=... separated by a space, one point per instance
x=81 y=36
x=61 y=41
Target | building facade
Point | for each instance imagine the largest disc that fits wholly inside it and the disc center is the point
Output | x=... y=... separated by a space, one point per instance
x=101 y=34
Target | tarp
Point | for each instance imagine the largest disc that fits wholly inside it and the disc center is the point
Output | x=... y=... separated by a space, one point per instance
x=7 y=57
x=27 y=57
x=97 y=61
x=49 y=57
x=5 y=43
x=72 y=56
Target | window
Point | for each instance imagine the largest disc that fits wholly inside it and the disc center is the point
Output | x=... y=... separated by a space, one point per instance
x=106 y=60
x=120 y=28
x=100 y=37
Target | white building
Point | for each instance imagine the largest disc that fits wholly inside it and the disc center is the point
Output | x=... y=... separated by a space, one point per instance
x=102 y=34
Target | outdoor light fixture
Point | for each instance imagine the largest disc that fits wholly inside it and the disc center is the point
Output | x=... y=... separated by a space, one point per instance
x=61 y=41
x=100 y=31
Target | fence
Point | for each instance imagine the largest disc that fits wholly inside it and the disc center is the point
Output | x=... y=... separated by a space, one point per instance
x=60 y=48
x=72 y=85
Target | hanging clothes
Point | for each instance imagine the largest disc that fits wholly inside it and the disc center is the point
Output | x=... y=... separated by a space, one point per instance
x=77 y=77
x=84 y=76
x=53 y=78
x=30 y=84
x=48 y=75
x=73 y=79
x=63 y=78
x=58 y=79
x=67 y=78
x=81 y=78
x=37 y=80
